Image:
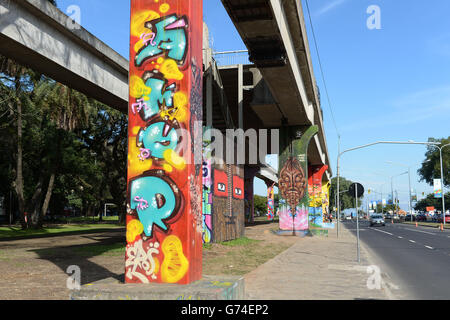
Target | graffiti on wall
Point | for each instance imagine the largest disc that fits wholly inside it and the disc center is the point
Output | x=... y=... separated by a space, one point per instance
x=318 y=212
x=164 y=207
x=207 y=200
x=293 y=179
x=293 y=186
x=270 y=203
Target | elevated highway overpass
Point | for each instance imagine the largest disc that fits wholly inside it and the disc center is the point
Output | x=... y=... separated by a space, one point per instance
x=275 y=35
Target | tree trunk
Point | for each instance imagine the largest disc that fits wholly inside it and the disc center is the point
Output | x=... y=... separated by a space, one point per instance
x=35 y=204
x=122 y=214
x=19 y=168
x=48 y=195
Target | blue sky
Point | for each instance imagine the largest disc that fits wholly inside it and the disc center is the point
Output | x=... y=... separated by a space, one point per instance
x=387 y=84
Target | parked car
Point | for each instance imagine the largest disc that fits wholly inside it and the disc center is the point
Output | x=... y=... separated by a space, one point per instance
x=408 y=217
x=421 y=217
x=377 y=220
x=437 y=217
x=441 y=220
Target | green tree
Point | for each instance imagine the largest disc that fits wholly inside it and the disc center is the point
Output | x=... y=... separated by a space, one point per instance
x=346 y=200
x=106 y=136
x=431 y=167
x=431 y=201
x=260 y=204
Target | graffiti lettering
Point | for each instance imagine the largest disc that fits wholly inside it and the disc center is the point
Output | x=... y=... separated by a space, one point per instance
x=164 y=193
x=139 y=260
x=170 y=39
x=164 y=200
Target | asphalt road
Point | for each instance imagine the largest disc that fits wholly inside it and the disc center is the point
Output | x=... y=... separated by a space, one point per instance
x=417 y=259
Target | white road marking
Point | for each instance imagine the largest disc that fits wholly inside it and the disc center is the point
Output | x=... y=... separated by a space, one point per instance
x=433 y=234
x=429 y=247
x=412 y=241
x=400 y=237
x=381 y=231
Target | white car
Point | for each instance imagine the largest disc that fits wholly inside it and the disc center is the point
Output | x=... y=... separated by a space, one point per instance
x=377 y=220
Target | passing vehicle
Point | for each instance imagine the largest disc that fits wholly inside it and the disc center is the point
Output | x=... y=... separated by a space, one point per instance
x=377 y=219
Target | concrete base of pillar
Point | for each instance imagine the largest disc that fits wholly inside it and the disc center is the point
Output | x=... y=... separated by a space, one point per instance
x=301 y=234
x=208 y=288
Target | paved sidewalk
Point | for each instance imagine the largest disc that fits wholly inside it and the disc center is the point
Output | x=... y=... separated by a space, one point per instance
x=317 y=268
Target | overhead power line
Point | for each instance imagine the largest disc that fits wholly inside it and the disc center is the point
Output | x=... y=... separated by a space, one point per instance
x=321 y=70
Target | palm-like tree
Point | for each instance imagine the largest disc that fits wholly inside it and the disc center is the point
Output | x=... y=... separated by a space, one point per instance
x=69 y=110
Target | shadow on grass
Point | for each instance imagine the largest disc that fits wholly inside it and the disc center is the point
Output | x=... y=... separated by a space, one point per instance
x=15 y=233
x=112 y=245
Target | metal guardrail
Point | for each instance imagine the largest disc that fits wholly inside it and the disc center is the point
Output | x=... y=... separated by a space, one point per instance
x=227 y=58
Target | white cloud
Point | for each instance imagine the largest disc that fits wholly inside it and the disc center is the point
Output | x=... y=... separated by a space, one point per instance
x=330 y=7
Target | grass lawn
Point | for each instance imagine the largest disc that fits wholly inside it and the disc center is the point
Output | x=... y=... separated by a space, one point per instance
x=90 y=219
x=11 y=232
x=238 y=257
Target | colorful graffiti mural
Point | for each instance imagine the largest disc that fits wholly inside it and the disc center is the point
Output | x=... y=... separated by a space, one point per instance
x=164 y=211
x=293 y=179
x=318 y=213
x=207 y=199
x=270 y=203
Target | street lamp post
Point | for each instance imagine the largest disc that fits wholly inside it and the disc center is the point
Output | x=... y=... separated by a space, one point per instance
x=409 y=185
x=365 y=146
x=442 y=178
x=392 y=188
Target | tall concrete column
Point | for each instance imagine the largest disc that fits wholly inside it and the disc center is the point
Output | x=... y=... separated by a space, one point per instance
x=270 y=200
x=249 y=179
x=164 y=210
x=316 y=214
x=293 y=179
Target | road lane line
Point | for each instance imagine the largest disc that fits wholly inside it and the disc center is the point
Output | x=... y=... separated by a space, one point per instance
x=429 y=247
x=419 y=231
x=412 y=241
x=381 y=231
x=400 y=237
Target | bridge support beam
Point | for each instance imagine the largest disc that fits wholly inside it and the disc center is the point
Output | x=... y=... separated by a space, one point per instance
x=317 y=222
x=293 y=179
x=249 y=179
x=270 y=200
x=164 y=204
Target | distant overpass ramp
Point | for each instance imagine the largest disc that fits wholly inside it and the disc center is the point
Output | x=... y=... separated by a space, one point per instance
x=38 y=35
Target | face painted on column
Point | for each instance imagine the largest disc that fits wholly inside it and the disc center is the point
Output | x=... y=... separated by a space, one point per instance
x=292 y=182
x=155 y=198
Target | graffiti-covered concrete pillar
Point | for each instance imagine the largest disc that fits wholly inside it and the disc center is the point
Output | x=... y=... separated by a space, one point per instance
x=293 y=179
x=316 y=214
x=270 y=200
x=164 y=214
x=249 y=179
